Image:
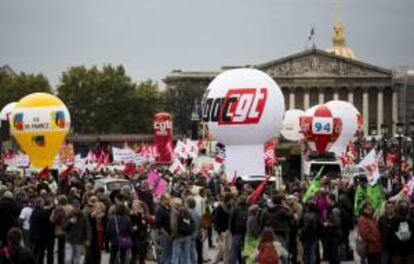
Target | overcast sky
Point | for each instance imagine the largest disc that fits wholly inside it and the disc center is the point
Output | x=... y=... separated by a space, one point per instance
x=152 y=37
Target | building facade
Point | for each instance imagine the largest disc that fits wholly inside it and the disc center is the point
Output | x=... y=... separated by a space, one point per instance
x=316 y=76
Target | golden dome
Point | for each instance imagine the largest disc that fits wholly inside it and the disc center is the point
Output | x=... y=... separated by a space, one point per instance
x=338 y=39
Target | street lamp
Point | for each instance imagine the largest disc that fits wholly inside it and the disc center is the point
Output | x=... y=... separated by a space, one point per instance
x=384 y=130
x=195 y=119
x=373 y=137
x=400 y=136
x=411 y=128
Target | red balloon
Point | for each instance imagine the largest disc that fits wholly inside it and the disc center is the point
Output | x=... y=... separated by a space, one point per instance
x=321 y=129
x=163 y=137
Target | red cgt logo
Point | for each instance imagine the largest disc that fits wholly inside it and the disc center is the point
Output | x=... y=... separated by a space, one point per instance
x=243 y=106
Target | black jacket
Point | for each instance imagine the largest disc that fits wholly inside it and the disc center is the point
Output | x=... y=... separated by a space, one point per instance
x=279 y=218
x=40 y=224
x=221 y=218
x=79 y=232
x=238 y=220
x=124 y=227
x=162 y=218
x=9 y=217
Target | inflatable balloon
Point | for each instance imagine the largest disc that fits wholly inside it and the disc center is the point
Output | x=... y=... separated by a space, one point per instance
x=39 y=123
x=163 y=137
x=243 y=109
x=290 y=126
x=320 y=129
x=6 y=111
x=351 y=124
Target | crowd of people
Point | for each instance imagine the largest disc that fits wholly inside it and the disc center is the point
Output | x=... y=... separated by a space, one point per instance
x=72 y=221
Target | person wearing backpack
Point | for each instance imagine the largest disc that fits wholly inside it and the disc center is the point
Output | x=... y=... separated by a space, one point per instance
x=238 y=227
x=118 y=232
x=370 y=233
x=310 y=233
x=182 y=229
x=400 y=236
x=270 y=251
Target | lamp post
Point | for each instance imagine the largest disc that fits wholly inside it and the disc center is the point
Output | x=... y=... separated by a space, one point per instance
x=373 y=138
x=400 y=136
x=195 y=119
x=411 y=130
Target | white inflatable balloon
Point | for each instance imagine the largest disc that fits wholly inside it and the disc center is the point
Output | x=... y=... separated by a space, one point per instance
x=243 y=109
x=6 y=111
x=350 y=117
x=290 y=126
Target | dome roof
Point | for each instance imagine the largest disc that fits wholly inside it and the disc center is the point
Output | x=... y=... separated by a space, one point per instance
x=342 y=51
x=338 y=42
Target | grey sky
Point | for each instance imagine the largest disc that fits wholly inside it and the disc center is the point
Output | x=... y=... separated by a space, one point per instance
x=152 y=37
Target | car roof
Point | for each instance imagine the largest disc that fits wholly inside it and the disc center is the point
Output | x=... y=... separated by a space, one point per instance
x=111 y=179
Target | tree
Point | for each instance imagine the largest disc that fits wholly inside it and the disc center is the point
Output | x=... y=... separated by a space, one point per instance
x=179 y=100
x=13 y=87
x=99 y=100
x=149 y=102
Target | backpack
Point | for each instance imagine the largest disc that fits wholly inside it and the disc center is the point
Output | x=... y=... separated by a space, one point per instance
x=267 y=254
x=404 y=232
x=360 y=246
x=59 y=215
x=185 y=223
x=310 y=225
x=239 y=221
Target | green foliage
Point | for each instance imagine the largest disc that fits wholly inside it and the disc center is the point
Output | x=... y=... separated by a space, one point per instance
x=179 y=101
x=15 y=86
x=99 y=100
x=148 y=103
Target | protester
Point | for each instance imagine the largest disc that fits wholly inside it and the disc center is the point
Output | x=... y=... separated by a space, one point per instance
x=118 y=231
x=238 y=228
x=183 y=228
x=400 y=236
x=370 y=233
x=269 y=250
x=14 y=253
x=97 y=221
x=179 y=224
x=140 y=234
x=78 y=235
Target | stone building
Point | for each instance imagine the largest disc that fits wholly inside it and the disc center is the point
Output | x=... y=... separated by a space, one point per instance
x=314 y=76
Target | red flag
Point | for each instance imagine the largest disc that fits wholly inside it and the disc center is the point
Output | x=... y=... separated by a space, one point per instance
x=270 y=157
x=43 y=174
x=233 y=181
x=129 y=169
x=66 y=172
x=106 y=159
x=254 y=196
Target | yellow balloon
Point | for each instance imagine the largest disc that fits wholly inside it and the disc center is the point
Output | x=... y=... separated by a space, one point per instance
x=39 y=123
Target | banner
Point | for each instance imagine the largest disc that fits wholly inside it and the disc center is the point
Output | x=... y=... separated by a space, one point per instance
x=269 y=153
x=163 y=136
x=157 y=184
x=180 y=150
x=124 y=155
x=370 y=165
x=67 y=153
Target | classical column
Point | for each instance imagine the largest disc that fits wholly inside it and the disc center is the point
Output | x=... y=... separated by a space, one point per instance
x=365 y=110
x=351 y=96
x=380 y=109
x=321 y=96
x=306 y=99
x=336 y=93
x=394 y=109
x=291 y=98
